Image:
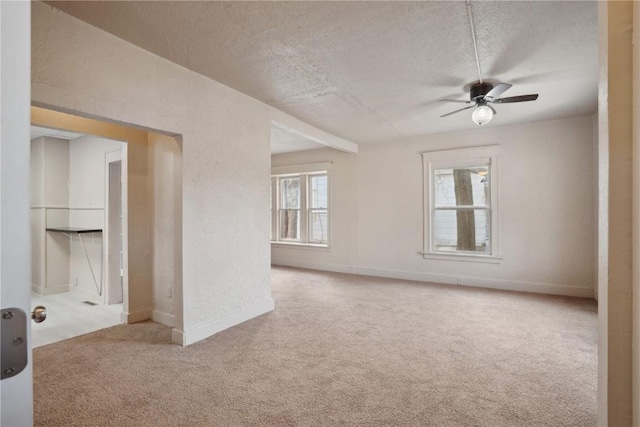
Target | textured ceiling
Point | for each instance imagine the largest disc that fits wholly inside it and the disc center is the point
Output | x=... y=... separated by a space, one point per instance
x=373 y=71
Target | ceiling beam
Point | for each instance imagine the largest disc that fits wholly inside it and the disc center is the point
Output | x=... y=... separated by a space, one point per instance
x=298 y=127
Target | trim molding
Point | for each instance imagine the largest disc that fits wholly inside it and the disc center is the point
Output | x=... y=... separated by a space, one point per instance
x=336 y=268
x=43 y=290
x=163 y=318
x=207 y=329
x=136 y=316
x=479 y=282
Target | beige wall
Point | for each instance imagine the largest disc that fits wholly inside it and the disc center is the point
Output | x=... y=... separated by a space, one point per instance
x=636 y=217
x=225 y=158
x=615 y=285
x=546 y=198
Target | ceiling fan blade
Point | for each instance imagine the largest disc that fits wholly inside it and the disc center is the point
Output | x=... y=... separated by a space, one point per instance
x=521 y=98
x=498 y=90
x=455 y=100
x=457 y=111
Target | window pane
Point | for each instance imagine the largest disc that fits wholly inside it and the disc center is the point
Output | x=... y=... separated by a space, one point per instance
x=289 y=224
x=465 y=230
x=319 y=227
x=290 y=193
x=462 y=186
x=318 y=194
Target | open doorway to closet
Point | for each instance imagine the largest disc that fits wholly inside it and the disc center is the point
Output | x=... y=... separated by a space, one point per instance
x=77 y=202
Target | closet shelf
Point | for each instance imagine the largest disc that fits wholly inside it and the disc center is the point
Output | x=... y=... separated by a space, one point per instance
x=68 y=231
x=75 y=230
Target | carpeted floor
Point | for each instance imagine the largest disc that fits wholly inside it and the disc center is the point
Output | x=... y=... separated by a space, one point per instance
x=339 y=350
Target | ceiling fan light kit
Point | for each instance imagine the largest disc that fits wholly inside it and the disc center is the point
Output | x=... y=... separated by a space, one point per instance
x=482 y=115
x=482 y=94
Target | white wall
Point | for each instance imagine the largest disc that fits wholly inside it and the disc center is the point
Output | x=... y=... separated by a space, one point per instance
x=49 y=192
x=49 y=172
x=164 y=158
x=87 y=170
x=546 y=200
x=225 y=160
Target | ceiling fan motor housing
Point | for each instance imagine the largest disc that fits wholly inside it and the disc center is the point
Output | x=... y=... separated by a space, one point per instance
x=479 y=90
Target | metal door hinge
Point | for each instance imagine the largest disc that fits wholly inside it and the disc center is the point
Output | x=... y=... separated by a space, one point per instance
x=13 y=344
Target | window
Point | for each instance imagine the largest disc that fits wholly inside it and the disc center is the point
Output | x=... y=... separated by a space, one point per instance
x=461 y=204
x=300 y=205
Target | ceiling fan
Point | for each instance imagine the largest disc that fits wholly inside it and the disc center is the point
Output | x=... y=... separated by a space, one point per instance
x=482 y=94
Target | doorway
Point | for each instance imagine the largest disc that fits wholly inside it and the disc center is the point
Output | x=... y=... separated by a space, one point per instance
x=71 y=229
x=149 y=269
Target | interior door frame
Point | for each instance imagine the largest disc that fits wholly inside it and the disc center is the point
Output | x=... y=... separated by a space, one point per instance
x=112 y=157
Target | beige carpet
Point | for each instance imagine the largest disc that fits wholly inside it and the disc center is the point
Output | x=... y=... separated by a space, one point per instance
x=339 y=350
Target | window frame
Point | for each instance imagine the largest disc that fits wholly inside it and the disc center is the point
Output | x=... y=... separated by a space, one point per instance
x=304 y=172
x=458 y=158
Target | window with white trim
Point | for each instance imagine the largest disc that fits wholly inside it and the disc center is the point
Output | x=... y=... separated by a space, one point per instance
x=461 y=216
x=300 y=205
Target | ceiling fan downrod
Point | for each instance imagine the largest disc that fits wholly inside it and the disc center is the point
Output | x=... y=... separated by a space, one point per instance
x=475 y=43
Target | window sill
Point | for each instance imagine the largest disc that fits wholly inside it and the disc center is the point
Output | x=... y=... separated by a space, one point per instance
x=487 y=259
x=306 y=246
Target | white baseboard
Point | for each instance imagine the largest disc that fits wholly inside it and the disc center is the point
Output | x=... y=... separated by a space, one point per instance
x=212 y=327
x=508 y=285
x=136 y=316
x=41 y=290
x=163 y=318
x=336 y=268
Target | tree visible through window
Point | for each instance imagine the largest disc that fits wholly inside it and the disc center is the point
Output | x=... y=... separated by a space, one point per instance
x=459 y=205
x=461 y=209
x=290 y=208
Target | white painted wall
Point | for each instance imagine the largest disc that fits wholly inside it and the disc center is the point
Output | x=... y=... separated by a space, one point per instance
x=225 y=161
x=49 y=185
x=87 y=170
x=546 y=199
x=49 y=172
x=164 y=154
